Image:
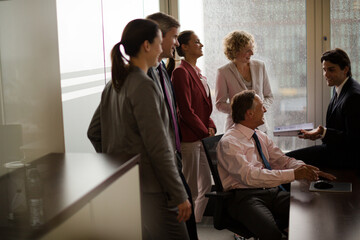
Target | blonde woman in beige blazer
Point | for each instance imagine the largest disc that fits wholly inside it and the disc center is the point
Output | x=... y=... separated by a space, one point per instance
x=242 y=73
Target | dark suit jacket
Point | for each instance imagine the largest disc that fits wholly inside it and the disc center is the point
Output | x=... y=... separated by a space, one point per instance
x=343 y=122
x=154 y=76
x=194 y=106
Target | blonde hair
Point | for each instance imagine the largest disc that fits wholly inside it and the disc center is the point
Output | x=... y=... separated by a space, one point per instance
x=236 y=41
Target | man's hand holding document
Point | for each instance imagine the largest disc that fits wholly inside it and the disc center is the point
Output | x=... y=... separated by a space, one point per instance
x=302 y=130
x=312 y=134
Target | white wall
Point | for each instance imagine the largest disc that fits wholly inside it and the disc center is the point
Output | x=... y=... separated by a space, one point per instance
x=30 y=97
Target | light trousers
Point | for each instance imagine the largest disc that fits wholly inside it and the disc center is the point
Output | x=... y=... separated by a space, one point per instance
x=197 y=174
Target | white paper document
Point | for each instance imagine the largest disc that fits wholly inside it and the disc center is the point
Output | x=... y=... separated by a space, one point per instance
x=292 y=130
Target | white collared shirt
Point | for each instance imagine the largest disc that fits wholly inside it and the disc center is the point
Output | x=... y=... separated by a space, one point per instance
x=340 y=87
x=241 y=166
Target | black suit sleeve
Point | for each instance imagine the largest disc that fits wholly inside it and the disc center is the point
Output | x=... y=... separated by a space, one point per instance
x=349 y=118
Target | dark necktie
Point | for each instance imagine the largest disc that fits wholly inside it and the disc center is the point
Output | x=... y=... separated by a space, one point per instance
x=331 y=106
x=335 y=97
x=169 y=102
x=266 y=163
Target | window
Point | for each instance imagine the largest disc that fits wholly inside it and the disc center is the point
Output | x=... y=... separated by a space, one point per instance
x=87 y=32
x=279 y=28
x=345 y=25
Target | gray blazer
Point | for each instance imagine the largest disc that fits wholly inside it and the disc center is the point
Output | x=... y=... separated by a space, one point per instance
x=135 y=120
x=229 y=82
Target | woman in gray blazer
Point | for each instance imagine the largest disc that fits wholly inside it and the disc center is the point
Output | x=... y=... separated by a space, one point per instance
x=241 y=73
x=132 y=118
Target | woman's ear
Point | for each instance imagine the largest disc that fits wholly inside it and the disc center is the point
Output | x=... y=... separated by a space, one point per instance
x=147 y=46
x=184 y=47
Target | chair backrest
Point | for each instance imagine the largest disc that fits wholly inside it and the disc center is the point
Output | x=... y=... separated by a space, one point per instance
x=210 y=144
x=222 y=219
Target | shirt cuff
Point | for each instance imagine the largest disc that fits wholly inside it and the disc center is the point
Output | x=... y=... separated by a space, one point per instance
x=288 y=175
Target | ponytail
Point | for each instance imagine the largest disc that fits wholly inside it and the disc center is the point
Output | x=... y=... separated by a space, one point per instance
x=119 y=70
x=170 y=66
x=135 y=33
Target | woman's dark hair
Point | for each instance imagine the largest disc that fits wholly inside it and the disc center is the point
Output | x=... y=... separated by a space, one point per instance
x=170 y=65
x=134 y=35
x=240 y=103
x=339 y=57
x=183 y=38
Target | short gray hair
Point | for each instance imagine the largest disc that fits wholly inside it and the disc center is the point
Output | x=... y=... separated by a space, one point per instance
x=165 y=22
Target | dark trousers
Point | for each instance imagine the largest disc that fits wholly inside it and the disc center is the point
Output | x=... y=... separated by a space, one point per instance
x=159 y=220
x=265 y=212
x=190 y=224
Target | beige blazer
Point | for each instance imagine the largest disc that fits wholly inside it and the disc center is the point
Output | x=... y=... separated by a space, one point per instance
x=136 y=120
x=229 y=82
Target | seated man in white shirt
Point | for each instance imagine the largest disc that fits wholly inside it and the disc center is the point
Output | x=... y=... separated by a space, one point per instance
x=259 y=198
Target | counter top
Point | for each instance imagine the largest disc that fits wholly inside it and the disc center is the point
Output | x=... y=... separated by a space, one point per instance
x=42 y=194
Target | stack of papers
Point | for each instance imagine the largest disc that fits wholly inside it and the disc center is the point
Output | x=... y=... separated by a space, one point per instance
x=292 y=130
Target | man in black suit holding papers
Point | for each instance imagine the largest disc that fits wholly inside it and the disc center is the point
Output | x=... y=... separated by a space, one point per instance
x=341 y=134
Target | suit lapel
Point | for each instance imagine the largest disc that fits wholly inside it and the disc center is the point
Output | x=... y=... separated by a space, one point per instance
x=196 y=79
x=154 y=76
x=236 y=73
x=168 y=86
x=254 y=76
x=333 y=105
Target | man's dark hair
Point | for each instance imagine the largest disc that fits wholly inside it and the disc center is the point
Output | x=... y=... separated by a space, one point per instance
x=240 y=103
x=339 y=57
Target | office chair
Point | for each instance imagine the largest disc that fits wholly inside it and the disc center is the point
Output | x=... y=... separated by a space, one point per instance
x=222 y=219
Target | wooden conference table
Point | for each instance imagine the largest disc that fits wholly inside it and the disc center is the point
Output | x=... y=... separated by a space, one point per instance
x=320 y=215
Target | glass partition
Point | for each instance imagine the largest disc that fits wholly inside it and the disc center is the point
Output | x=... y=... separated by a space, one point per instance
x=279 y=28
x=88 y=29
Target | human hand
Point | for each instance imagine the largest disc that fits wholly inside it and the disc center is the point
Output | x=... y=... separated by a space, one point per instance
x=326 y=175
x=312 y=134
x=184 y=211
x=211 y=132
x=306 y=172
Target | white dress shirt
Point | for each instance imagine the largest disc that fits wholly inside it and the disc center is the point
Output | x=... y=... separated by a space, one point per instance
x=240 y=164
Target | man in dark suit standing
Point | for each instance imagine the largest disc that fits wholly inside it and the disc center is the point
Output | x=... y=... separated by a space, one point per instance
x=170 y=30
x=341 y=135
